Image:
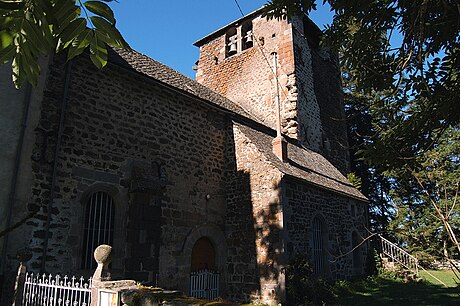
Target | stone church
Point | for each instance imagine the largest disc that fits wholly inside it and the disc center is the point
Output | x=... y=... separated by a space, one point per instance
x=236 y=172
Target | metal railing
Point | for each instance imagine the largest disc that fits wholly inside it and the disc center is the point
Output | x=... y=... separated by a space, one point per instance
x=204 y=284
x=56 y=290
x=399 y=255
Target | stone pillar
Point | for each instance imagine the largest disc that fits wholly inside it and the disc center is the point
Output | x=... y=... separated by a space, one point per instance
x=102 y=278
x=102 y=257
x=23 y=256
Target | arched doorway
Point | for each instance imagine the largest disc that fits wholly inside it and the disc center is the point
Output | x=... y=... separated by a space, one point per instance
x=204 y=279
x=203 y=255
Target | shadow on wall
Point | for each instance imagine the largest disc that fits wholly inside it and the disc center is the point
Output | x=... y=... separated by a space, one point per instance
x=268 y=227
x=243 y=275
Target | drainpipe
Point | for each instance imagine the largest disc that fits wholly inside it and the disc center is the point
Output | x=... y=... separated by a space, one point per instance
x=55 y=164
x=17 y=161
x=277 y=96
x=279 y=144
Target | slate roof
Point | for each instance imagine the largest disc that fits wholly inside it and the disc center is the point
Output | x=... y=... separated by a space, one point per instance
x=303 y=163
x=145 y=65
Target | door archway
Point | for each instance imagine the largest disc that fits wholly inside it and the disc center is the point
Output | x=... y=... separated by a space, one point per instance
x=203 y=255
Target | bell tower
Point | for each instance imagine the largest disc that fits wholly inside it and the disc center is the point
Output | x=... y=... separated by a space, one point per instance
x=236 y=62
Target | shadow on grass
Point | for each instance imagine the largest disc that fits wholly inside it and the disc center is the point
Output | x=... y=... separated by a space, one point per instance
x=387 y=291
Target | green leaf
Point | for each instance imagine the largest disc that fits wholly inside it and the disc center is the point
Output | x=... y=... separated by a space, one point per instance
x=35 y=37
x=6 y=39
x=65 y=11
x=6 y=54
x=72 y=30
x=101 y=9
x=30 y=67
x=79 y=44
x=111 y=34
x=98 y=52
x=18 y=73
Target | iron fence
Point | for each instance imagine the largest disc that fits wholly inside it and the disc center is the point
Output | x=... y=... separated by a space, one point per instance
x=43 y=290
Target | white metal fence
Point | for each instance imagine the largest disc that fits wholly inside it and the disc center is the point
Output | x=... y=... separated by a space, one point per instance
x=204 y=284
x=397 y=254
x=42 y=290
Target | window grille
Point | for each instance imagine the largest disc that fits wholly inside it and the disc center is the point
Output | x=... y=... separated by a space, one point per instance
x=319 y=251
x=99 y=224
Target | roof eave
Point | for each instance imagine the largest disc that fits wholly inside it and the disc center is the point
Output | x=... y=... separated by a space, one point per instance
x=346 y=194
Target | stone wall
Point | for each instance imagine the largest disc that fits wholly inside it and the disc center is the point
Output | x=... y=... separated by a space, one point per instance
x=247 y=77
x=301 y=203
x=310 y=126
x=254 y=223
x=116 y=121
x=320 y=97
x=310 y=92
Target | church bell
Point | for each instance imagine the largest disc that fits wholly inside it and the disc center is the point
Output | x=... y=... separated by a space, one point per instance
x=249 y=37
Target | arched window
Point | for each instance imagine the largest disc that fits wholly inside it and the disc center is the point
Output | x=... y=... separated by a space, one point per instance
x=319 y=244
x=357 y=258
x=98 y=226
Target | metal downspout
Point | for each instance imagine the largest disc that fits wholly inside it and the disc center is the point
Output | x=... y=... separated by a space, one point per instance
x=55 y=164
x=14 y=180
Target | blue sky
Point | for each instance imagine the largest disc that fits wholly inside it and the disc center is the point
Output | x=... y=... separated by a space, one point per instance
x=166 y=30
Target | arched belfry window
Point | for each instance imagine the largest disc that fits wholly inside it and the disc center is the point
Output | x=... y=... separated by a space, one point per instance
x=231 y=41
x=246 y=35
x=98 y=226
x=319 y=245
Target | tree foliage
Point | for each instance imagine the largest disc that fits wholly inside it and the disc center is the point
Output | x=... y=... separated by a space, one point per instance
x=401 y=67
x=428 y=217
x=405 y=55
x=30 y=29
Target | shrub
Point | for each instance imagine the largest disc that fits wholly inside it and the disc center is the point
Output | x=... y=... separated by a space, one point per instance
x=303 y=287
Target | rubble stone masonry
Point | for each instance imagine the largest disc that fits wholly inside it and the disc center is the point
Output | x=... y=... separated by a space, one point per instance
x=310 y=93
x=116 y=121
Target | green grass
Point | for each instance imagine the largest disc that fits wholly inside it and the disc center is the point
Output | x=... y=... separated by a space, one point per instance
x=446 y=276
x=381 y=290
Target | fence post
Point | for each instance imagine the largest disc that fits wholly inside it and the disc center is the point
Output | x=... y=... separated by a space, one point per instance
x=102 y=257
x=23 y=256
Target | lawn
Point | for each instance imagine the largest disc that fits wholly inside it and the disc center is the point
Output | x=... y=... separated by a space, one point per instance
x=391 y=291
x=446 y=276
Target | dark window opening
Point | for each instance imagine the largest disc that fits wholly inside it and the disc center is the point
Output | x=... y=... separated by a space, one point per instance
x=246 y=35
x=231 y=41
x=357 y=258
x=99 y=225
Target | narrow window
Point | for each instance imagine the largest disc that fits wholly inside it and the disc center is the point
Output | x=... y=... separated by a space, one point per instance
x=246 y=35
x=99 y=224
x=319 y=246
x=357 y=259
x=231 y=40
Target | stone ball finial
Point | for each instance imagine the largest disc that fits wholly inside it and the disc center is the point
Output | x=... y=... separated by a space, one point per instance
x=102 y=254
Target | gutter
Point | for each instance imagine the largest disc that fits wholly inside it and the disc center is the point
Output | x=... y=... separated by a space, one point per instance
x=55 y=164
